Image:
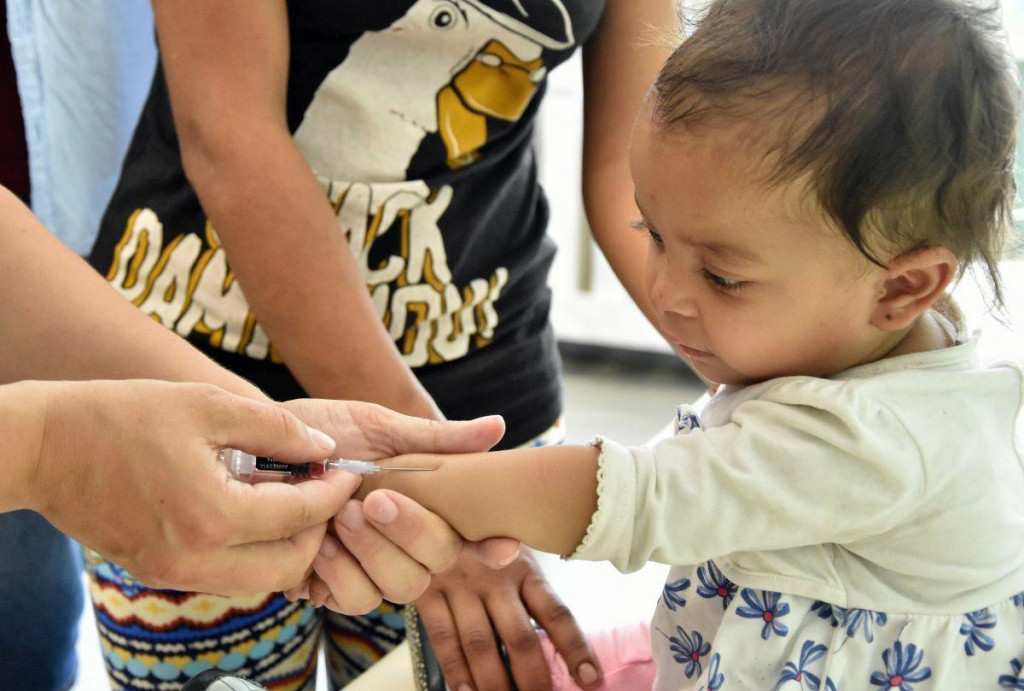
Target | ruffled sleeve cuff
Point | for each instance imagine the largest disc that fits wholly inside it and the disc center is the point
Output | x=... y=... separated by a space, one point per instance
x=610 y=533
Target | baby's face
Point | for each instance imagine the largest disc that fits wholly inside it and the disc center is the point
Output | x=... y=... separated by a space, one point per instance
x=749 y=281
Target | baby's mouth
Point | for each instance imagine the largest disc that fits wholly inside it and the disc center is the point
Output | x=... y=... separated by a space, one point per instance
x=692 y=352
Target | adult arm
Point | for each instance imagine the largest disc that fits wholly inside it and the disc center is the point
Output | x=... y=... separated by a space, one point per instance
x=61 y=320
x=620 y=63
x=226 y=64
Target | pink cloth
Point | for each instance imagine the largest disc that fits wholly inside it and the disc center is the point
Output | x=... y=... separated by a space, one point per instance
x=624 y=654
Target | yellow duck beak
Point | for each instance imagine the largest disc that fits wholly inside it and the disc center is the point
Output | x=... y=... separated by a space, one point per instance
x=495 y=84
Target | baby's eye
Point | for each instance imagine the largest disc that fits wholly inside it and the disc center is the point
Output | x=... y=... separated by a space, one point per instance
x=647 y=230
x=722 y=283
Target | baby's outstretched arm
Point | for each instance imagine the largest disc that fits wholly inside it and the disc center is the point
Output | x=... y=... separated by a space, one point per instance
x=543 y=497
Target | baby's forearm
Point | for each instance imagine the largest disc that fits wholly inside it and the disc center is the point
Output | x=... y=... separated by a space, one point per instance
x=543 y=497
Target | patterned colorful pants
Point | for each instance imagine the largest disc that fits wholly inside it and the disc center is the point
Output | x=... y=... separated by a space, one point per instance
x=159 y=639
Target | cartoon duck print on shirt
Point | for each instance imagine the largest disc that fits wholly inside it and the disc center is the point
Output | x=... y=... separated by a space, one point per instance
x=446 y=68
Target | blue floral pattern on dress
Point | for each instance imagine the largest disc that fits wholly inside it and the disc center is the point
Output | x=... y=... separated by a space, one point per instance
x=902 y=668
x=878 y=650
x=671 y=594
x=715 y=678
x=826 y=610
x=810 y=652
x=852 y=619
x=767 y=606
x=1013 y=680
x=688 y=649
x=714 y=584
x=686 y=420
x=865 y=619
x=972 y=627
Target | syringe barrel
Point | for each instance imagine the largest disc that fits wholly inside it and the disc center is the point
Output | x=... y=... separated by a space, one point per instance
x=249 y=468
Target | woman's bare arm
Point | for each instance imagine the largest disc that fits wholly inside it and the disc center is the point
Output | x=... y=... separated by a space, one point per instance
x=61 y=320
x=619 y=64
x=227 y=68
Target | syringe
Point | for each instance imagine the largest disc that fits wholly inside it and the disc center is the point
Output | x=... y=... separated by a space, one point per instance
x=247 y=467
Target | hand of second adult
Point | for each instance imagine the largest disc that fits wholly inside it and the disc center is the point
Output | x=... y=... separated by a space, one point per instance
x=394 y=557
x=465 y=608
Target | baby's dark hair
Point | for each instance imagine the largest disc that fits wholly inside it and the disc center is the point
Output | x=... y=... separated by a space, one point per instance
x=901 y=114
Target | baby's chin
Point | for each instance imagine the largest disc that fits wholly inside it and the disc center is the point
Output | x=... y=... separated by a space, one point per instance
x=718 y=374
x=725 y=376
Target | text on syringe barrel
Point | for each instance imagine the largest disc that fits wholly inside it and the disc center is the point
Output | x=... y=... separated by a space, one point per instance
x=250 y=468
x=267 y=464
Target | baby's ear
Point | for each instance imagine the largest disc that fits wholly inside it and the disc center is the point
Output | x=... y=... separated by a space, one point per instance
x=912 y=283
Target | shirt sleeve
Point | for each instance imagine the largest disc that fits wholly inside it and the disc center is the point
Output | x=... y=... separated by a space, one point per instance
x=802 y=464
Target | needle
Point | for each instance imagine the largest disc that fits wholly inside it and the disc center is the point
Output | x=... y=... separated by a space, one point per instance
x=365 y=467
x=391 y=467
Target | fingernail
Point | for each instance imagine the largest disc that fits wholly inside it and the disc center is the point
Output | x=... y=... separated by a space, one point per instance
x=352 y=516
x=381 y=509
x=587 y=674
x=317 y=596
x=505 y=562
x=327 y=548
x=465 y=687
x=320 y=439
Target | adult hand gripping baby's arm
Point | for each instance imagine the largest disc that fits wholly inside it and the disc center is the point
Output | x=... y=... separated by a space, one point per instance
x=364 y=563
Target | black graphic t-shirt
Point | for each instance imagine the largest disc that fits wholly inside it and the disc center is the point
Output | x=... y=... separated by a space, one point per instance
x=417 y=119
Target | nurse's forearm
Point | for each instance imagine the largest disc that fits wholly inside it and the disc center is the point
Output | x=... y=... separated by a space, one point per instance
x=543 y=497
x=22 y=411
x=61 y=320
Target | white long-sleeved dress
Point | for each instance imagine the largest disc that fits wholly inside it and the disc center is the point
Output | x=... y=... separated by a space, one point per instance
x=864 y=531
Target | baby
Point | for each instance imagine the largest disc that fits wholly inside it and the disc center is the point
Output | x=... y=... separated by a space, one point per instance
x=847 y=512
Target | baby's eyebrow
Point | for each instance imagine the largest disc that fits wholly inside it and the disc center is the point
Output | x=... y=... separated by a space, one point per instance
x=722 y=250
x=733 y=253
